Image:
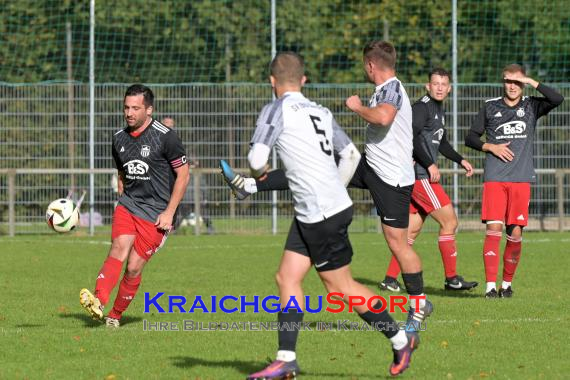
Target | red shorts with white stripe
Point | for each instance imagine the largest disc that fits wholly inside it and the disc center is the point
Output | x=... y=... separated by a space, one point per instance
x=148 y=238
x=427 y=197
x=506 y=202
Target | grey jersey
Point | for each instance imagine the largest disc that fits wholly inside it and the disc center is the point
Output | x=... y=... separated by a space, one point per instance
x=148 y=162
x=428 y=115
x=306 y=135
x=516 y=125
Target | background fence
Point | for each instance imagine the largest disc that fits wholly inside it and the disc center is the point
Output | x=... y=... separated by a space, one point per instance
x=215 y=122
x=207 y=61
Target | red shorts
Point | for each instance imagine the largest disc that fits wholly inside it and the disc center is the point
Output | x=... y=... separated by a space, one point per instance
x=148 y=238
x=427 y=197
x=506 y=202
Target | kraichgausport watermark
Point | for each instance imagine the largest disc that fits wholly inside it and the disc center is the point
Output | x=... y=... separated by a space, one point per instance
x=272 y=304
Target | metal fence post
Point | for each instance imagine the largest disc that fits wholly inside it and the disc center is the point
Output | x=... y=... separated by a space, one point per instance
x=560 y=198
x=11 y=202
x=197 y=200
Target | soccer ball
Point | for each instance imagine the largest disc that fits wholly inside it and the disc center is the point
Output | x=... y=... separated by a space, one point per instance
x=62 y=215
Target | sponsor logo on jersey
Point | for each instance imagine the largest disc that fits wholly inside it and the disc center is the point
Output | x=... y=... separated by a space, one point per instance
x=122 y=149
x=512 y=129
x=437 y=135
x=520 y=112
x=136 y=169
x=145 y=150
x=499 y=114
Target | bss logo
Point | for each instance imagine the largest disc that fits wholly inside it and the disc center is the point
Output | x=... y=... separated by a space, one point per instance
x=136 y=167
x=512 y=127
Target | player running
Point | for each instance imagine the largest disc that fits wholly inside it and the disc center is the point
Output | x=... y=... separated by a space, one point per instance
x=510 y=124
x=153 y=176
x=305 y=135
x=428 y=196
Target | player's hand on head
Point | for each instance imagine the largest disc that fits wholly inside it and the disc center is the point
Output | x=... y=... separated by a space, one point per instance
x=353 y=102
x=518 y=77
x=434 y=175
x=503 y=152
x=468 y=168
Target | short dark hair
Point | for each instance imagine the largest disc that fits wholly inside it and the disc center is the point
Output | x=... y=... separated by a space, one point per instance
x=514 y=68
x=141 y=89
x=287 y=67
x=439 y=71
x=382 y=53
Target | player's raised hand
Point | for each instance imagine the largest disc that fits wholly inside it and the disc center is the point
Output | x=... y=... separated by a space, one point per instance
x=468 y=168
x=502 y=151
x=164 y=221
x=434 y=174
x=354 y=102
x=521 y=78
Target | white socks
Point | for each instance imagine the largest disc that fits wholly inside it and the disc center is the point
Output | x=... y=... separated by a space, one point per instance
x=490 y=286
x=286 y=356
x=505 y=285
x=399 y=340
x=249 y=185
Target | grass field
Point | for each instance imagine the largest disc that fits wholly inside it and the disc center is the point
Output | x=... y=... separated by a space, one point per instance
x=44 y=334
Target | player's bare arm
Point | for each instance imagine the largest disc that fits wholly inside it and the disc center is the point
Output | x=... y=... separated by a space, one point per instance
x=164 y=220
x=120 y=182
x=382 y=115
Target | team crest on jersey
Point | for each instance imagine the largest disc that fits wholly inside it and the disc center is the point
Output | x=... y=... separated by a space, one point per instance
x=145 y=150
x=520 y=112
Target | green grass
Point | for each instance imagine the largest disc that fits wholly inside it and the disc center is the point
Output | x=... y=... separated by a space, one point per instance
x=44 y=334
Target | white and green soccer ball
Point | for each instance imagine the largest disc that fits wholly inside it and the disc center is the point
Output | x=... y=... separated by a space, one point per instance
x=62 y=215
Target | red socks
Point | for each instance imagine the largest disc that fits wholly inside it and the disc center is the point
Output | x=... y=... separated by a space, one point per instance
x=107 y=279
x=448 y=252
x=491 y=254
x=511 y=257
x=127 y=291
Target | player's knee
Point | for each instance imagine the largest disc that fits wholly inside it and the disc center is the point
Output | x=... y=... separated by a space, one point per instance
x=514 y=231
x=397 y=246
x=285 y=280
x=449 y=226
x=133 y=270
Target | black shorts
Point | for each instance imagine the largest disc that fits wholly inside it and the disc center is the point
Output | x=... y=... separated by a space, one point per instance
x=325 y=243
x=392 y=203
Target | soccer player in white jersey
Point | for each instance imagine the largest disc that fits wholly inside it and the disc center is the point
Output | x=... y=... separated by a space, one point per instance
x=305 y=135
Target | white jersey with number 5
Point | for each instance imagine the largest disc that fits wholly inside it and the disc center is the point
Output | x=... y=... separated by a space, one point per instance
x=306 y=136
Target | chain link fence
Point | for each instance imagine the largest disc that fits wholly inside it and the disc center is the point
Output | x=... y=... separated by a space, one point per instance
x=46 y=126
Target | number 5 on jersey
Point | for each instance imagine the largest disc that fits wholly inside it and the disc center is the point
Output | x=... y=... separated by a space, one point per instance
x=321 y=132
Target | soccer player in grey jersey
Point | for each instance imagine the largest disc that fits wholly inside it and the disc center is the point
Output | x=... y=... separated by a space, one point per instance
x=153 y=176
x=305 y=136
x=428 y=196
x=509 y=123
